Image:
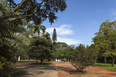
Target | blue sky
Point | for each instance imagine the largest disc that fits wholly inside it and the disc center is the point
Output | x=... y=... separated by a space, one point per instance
x=81 y=19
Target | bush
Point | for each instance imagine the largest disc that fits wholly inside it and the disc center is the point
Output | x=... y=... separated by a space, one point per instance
x=83 y=57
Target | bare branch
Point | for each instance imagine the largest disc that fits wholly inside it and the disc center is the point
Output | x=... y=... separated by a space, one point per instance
x=38 y=6
x=23 y=9
x=19 y=5
x=20 y=17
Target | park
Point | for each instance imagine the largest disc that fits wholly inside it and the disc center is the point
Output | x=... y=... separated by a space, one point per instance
x=30 y=48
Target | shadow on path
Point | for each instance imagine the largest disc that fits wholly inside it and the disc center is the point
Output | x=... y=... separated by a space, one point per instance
x=36 y=71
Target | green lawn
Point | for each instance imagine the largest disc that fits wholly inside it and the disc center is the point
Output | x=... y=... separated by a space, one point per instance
x=106 y=66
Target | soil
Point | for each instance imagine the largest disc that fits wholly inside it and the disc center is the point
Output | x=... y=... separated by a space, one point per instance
x=22 y=63
x=90 y=71
x=64 y=68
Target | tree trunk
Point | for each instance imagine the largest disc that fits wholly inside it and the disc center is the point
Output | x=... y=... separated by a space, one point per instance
x=41 y=61
x=0 y=74
x=96 y=59
x=105 y=59
x=37 y=61
x=113 y=61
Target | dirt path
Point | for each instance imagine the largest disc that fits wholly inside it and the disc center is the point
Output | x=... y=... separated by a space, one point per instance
x=34 y=70
x=22 y=63
x=91 y=71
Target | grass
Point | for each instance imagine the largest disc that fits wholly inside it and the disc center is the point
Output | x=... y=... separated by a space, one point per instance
x=106 y=66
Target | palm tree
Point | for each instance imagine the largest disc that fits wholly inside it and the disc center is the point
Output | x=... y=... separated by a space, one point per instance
x=38 y=28
x=30 y=28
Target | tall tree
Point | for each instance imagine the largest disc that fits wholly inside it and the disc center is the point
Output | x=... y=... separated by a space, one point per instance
x=54 y=36
x=39 y=28
x=105 y=38
x=7 y=31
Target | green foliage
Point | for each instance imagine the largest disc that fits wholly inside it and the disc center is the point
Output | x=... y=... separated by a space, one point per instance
x=7 y=30
x=83 y=57
x=40 y=48
x=105 y=39
x=60 y=50
x=54 y=36
x=36 y=11
x=14 y=38
x=68 y=52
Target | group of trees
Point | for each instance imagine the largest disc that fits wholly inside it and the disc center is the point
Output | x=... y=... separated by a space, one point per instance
x=80 y=56
x=30 y=40
x=105 y=40
x=17 y=34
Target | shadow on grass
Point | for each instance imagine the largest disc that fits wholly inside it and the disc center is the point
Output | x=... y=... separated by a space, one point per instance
x=101 y=65
x=40 y=63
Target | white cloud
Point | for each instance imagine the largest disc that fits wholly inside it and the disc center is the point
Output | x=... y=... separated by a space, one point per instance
x=62 y=30
x=68 y=41
x=112 y=11
x=112 y=14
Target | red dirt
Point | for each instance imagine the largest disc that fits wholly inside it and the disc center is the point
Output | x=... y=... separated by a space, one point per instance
x=90 y=71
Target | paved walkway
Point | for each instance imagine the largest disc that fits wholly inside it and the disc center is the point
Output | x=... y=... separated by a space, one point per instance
x=37 y=71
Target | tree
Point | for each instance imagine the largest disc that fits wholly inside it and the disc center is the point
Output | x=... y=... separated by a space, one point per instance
x=30 y=29
x=60 y=49
x=40 y=48
x=68 y=53
x=83 y=57
x=38 y=28
x=105 y=39
x=36 y=11
x=54 y=36
x=14 y=16
x=7 y=31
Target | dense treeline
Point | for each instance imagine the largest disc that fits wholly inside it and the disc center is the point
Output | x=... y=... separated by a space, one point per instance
x=80 y=56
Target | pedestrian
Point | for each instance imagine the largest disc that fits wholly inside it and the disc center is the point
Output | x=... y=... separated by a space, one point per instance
x=56 y=60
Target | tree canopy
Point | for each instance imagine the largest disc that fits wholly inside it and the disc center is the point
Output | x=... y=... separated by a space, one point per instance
x=34 y=10
x=105 y=39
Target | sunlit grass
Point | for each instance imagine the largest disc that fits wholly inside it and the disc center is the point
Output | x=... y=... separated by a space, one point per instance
x=106 y=66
